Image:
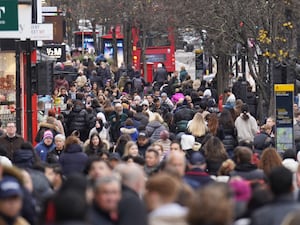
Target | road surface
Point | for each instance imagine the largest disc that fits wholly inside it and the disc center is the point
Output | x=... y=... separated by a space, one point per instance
x=186 y=59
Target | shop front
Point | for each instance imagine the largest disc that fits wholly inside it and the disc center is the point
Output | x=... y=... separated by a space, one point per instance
x=7 y=87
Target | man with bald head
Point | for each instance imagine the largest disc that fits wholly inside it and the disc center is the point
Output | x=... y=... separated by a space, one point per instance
x=176 y=160
x=131 y=208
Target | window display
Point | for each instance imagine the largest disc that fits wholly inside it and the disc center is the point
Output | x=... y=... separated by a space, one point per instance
x=7 y=86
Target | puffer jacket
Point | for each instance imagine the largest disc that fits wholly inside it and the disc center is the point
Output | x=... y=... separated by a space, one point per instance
x=262 y=141
x=42 y=150
x=153 y=129
x=80 y=120
x=132 y=131
x=23 y=158
x=73 y=160
x=183 y=113
x=229 y=138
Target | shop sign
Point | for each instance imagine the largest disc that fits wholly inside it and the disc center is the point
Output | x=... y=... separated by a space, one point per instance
x=42 y=32
x=56 y=52
x=9 y=15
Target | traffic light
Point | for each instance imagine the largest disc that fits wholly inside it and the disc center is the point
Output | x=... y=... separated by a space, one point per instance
x=44 y=78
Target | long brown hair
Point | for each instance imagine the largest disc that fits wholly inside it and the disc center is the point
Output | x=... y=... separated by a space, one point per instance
x=213 y=123
x=214 y=150
x=269 y=160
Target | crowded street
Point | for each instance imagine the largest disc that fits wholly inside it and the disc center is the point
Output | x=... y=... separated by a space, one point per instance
x=110 y=116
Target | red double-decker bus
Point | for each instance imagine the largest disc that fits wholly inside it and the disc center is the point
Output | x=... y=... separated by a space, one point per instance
x=160 y=48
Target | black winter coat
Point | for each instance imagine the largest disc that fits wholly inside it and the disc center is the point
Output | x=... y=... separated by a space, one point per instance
x=79 y=119
x=142 y=118
x=229 y=137
x=73 y=160
x=131 y=208
x=53 y=156
x=161 y=75
x=251 y=102
x=183 y=113
x=23 y=158
x=262 y=141
x=248 y=171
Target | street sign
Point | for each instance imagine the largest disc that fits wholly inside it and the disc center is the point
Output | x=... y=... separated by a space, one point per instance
x=56 y=52
x=42 y=32
x=9 y=15
x=284 y=97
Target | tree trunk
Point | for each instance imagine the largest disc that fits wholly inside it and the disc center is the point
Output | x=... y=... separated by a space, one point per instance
x=94 y=34
x=115 y=48
x=127 y=45
x=222 y=74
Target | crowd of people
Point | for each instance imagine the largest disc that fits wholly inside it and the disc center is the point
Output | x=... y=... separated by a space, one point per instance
x=126 y=151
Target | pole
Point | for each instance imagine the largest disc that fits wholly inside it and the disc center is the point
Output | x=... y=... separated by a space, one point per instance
x=29 y=91
x=82 y=41
x=18 y=89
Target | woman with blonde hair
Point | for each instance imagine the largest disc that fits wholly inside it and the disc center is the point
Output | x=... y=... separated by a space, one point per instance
x=198 y=128
x=131 y=149
x=155 y=126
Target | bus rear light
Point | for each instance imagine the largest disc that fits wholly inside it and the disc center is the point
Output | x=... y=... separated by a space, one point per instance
x=134 y=48
x=135 y=57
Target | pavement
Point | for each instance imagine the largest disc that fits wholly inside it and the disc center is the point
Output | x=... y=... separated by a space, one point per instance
x=186 y=59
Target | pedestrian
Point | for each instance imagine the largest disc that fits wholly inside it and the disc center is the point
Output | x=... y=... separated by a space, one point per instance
x=196 y=175
x=281 y=185
x=155 y=126
x=212 y=205
x=95 y=145
x=244 y=167
x=182 y=74
x=131 y=149
x=73 y=159
x=54 y=155
x=246 y=125
x=131 y=207
x=162 y=191
x=160 y=75
x=45 y=146
x=129 y=129
x=215 y=154
x=107 y=195
x=263 y=139
x=269 y=160
x=97 y=168
x=79 y=120
x=11 y=196
x=11 y=141
x=25 y=157
x=152 y=161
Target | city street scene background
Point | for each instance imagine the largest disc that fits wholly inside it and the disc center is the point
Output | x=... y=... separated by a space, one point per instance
x=167 y=112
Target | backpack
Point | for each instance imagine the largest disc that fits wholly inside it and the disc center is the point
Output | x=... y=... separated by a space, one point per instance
x=138 y=84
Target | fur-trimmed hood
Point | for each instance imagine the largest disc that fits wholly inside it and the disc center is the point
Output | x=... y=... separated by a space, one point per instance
x=128 y=130
x=48 y=125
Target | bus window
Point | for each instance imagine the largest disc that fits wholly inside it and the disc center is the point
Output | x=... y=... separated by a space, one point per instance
x=155 y=39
